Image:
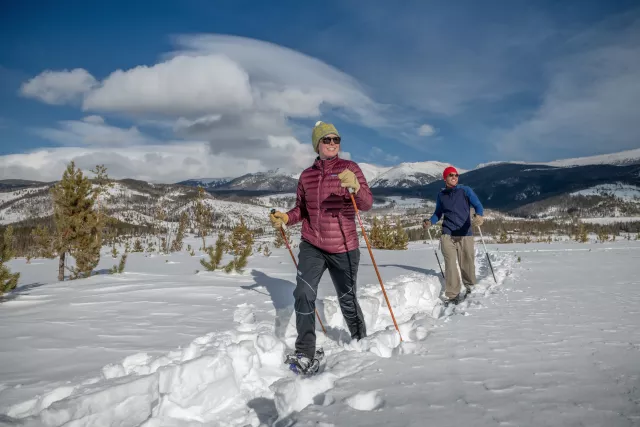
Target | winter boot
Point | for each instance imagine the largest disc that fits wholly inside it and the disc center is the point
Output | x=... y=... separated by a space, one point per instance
x=455 y=300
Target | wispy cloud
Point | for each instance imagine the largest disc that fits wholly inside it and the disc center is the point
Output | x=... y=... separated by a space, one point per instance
x=591 y=102
x=379 y=156
x=93 y=131
x=59 y=87
x=426 y=130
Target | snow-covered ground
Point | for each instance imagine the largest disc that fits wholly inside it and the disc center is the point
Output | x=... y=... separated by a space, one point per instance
x=7 y=196
x=554 y=343
x=622 y=191
x=405 y=203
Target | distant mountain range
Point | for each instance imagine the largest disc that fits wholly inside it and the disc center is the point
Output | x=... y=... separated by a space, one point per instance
x=401 y=176
x=622 y=158
x=404 y=175
x=514 y=187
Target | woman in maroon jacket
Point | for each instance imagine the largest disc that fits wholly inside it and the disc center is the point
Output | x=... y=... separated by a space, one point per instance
x=329 y=237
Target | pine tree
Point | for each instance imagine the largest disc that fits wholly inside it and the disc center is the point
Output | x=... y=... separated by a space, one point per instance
x=400 y=238
x=374 y=234
x=8 y=280
x=215 y=255
x=582 y=234
x=120 y=267
x=203 y=217
x=177 y=244
x=386 y=234
x=137 y=246
x=504 y=238
x=43 y=242
x=241 y=246
x=78 y=227
x=114 y=251
x=101 y=183
x=159 y=216
x=603 y=236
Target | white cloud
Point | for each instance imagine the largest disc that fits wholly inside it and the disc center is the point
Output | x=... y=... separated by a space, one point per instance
x=93 y=131
x=234 y=93
x=380 y=156
x=591 y=103
x=215 y=74
x=58 y=87
x=426 y=130
x=94 y=119
x=284 y=80
x=156 y=163
x=182 y=85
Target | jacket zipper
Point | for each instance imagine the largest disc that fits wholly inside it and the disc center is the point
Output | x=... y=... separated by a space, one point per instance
x=318 y=199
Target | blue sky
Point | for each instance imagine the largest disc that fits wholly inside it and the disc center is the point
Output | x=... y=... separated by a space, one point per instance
x=172 y=90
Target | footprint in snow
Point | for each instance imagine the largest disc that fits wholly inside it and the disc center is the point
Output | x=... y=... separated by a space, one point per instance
x=365 y=401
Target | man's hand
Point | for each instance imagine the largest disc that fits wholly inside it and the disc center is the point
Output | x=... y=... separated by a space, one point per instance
x=348 y=179
x=477 y=220
x=426 y=223
x=278 y=219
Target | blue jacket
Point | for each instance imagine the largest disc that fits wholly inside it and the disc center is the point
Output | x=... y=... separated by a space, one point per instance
x=454 y=203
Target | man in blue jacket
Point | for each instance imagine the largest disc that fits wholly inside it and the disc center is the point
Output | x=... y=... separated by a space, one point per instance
x=454 y=203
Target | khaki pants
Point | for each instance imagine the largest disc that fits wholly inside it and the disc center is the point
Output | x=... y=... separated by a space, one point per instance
x=460 y=249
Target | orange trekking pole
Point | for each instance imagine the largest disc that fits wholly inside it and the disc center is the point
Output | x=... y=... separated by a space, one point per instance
x=355 y=206
x=286 y=242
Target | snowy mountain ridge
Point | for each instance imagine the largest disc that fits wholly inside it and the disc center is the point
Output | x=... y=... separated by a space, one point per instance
x=622 y=158
x=403 y=175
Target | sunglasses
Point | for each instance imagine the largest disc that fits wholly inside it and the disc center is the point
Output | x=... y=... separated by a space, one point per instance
x=453 y=175
x=328 y=139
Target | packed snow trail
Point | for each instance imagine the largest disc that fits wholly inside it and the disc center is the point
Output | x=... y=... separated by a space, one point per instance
x=557 y=346
x=237 y=377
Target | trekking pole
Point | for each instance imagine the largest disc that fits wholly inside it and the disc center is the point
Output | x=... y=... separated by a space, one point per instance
x=286 y=242
x=487 y=254
x=435 y=251
x=355 y=206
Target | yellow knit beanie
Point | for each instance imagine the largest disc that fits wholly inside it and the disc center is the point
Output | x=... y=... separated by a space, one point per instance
x=320 y=130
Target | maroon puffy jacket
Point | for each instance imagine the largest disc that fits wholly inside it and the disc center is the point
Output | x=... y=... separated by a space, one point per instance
x=325 y=208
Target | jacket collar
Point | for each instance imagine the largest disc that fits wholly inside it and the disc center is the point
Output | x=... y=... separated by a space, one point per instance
x=324 y=164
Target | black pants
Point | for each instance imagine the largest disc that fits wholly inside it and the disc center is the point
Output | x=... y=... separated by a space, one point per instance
x=343 y=269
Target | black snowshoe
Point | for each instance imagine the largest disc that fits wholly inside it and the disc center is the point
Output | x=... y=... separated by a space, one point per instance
x=456 y=300
x=301 y=364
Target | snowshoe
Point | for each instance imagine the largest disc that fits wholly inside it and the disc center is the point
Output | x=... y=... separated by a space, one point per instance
x=456 y=300
x=301 y=364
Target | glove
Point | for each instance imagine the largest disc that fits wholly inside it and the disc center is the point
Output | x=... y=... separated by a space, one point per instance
x=348 y=179
x=477 y=220
x=278 y=218
x=426 y=223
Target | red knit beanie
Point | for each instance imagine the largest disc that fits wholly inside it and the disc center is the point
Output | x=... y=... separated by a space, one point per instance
x=447 y=171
